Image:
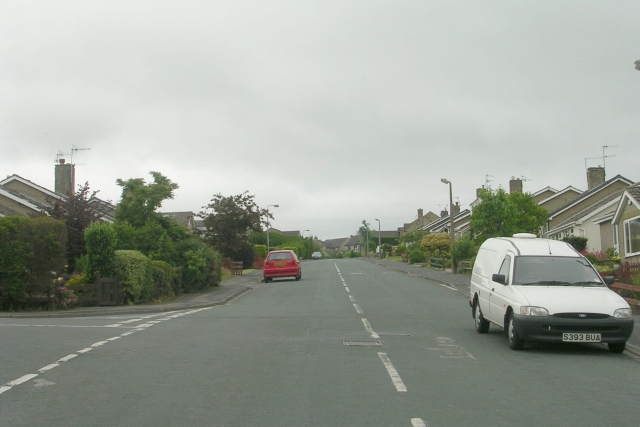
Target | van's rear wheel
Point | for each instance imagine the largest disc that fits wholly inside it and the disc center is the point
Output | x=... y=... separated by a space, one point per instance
x=515 y=342
x=617 y=347
x=482 y=324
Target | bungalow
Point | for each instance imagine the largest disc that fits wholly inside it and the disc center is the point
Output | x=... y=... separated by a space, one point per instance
x=626 y=224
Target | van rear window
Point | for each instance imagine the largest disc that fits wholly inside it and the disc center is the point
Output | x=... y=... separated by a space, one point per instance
x=554 y=271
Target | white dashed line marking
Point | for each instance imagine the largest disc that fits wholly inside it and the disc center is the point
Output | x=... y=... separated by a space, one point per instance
x=21 y=380
x=369 y=329
x=395 y=378
x=358 y=309
x=347 y=289
x=84 y=350
x=66 y=358
x=48 y=367
x=418 y=422
x=351 y=298
x=99 y=343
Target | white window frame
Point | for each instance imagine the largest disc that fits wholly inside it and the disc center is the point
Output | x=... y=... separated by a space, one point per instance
x=626 y=234
x=616 y=242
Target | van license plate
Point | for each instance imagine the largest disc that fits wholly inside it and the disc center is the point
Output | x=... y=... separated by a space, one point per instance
x=581 y=337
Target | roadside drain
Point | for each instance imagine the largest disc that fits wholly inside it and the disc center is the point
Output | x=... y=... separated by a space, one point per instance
x=362 y=343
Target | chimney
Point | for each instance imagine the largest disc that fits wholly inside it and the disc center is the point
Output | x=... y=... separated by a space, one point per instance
x=444 y=213
x=595 y=177
x=478 y=191
x=65 y=175
x=420 y=213
x=515 y=185
x=456 y=209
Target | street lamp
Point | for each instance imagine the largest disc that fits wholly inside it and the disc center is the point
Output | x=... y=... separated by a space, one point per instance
x=451 y=232
x=379 y=240
x=305 y=243
x=269 y=224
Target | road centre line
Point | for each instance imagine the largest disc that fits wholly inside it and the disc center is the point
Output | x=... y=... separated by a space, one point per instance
x=447 y=286
x=369 y=329
x=70 y=326
x=395 y=377
x=358 y=309
x=352 y=298
x=418 y=422
x=347 y=289
x=66 y=358
x=48 y=367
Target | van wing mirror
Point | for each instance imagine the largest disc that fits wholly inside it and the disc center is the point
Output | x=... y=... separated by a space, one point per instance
x=499 y=278
x=609 y=280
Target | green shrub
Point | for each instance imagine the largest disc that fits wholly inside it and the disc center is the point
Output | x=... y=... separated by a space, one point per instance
x=464 y=248
x=579 y=243
x=163 y=275
x=416 y=256
x=200 y=266
x=401 y=249
x=31 y=250
x=101 y=239
x=260 y=250
x=135 y=274
x=436 y=242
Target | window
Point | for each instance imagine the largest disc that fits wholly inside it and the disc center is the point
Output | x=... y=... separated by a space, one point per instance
x=632 y=237
x=505 y=267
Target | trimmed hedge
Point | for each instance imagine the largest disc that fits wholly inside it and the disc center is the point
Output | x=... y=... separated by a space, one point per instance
x=31 y=250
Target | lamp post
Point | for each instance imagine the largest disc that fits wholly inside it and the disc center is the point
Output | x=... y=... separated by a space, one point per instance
x=379 y=241
x=269 y=224
x=451 y=232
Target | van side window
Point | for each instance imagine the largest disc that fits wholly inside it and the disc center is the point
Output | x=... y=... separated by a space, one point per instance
x=505 y=268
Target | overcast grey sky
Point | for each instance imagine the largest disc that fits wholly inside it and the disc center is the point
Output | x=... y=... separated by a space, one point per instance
x=338 y=111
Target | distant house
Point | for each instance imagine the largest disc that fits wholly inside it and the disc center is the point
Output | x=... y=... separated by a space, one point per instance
x=461 y=222
x=335 y=244
x=420 y=221
x=552 y=200
x=186 y=219
x=626 y=224
x=352 y=244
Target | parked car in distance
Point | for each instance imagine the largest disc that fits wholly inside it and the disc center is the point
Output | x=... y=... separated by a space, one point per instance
x=545 y=290
x=282 y=263
x=316 y=255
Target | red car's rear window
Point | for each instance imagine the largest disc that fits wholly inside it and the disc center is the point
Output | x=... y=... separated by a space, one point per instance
x=279 y=256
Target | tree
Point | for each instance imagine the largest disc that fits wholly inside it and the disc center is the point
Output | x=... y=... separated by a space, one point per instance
x=140 y=200
x=77 y=214
x=365 y=232
x=500 y=215
x=228 y=220
x=434 y=242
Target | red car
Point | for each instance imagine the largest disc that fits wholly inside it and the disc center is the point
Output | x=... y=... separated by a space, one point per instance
x=282 y=264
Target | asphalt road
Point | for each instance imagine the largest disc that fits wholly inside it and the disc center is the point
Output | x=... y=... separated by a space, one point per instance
x=352 y=344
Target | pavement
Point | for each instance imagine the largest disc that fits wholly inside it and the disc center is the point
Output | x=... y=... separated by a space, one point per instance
x=218 y=295
x=461 y=282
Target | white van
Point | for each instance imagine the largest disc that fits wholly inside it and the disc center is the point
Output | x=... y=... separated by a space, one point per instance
x=544 y=290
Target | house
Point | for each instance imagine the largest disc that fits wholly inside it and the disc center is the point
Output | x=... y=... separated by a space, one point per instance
x=19 y=196
x=461 y=222
x=352 y=244
x=626 y=224
x=336 y=244
x=592 y=222
x=551 y=199
x=186 y=219
x=587 y=215
x=420 y=221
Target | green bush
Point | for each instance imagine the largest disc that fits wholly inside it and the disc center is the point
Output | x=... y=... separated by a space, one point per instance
x=579 y=243
x=200 y=266
x=436 y=242
x=101 y=239
x=260 y=250
x=464 y=248
x=135 y=274
x=164 y=275
x=416 y=256
x=31 y=250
